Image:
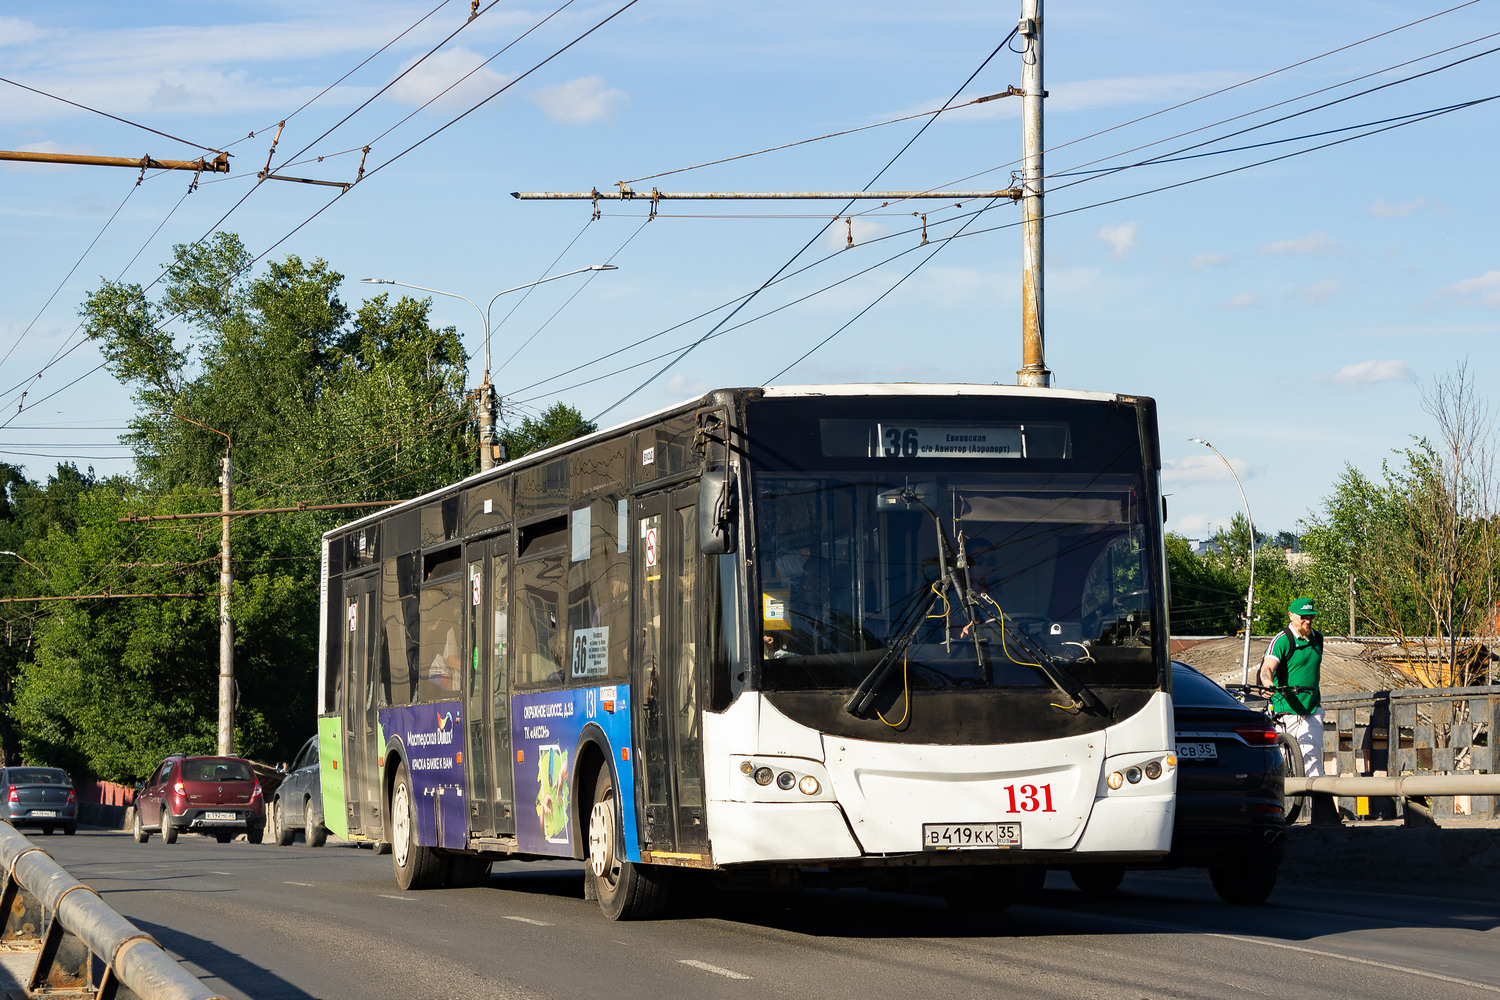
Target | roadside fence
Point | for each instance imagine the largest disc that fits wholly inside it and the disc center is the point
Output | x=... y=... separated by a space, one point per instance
x=83 y=948
x=1436 y=740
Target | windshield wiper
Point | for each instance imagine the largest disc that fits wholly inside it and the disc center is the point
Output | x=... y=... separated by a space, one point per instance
x=865 y=692
x=1079 y=694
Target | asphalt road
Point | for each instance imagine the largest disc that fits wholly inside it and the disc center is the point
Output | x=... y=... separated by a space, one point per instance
x=272 y=923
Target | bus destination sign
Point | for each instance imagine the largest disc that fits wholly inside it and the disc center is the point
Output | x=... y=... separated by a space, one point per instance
x=949 y=441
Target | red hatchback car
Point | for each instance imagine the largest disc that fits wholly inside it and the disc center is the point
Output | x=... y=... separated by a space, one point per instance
x=219 y=796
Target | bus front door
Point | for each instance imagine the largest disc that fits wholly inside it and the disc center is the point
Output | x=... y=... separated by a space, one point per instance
x=667 y=676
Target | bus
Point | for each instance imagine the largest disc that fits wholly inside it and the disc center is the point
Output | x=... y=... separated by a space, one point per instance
x=906 y=636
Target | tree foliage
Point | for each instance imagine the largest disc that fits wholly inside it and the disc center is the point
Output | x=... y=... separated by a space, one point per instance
x=316 y=404
x=1419 y=546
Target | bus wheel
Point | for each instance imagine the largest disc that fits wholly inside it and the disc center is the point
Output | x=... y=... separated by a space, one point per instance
x=417 y=867
x=1097 y=880
x=626 y=891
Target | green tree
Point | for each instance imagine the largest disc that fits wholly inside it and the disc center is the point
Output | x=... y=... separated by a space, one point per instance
x=322 y=406
x=559 y=423
x=1420 y=548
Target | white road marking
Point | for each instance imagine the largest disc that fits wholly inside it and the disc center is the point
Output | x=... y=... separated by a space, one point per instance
x=528 y=920
x=221 y=873
x=1361 y=961
x=726 y=973
x=308 y=884
x=404 y=899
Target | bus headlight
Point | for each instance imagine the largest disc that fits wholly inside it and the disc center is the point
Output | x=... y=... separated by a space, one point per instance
x=1153 y=769
x=764 y=775
x=809 y=785
x=1115 y=781
x=786 y=781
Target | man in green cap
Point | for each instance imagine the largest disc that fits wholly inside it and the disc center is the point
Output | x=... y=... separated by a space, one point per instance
x=1295 y=660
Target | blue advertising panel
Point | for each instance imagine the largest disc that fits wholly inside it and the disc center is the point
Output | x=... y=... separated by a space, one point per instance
x=545 y=730
x=434 y=741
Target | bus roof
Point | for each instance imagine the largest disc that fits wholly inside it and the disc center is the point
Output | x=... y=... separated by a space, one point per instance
x=769 y=392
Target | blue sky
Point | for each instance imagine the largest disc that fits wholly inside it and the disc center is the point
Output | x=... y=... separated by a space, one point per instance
x=1291 y=312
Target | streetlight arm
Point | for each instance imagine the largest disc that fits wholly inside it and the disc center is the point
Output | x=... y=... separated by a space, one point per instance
x=1250 y=593
x=483 y=317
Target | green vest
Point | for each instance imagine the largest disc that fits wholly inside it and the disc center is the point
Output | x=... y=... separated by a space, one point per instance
x=1300 y=664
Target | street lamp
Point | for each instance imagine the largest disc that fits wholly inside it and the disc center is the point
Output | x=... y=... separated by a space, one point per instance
x=7 y=552
x=1250 y=594
x=487 y=391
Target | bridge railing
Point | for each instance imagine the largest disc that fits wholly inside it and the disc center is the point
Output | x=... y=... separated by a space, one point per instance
x=1414 y=732
x=83 y=948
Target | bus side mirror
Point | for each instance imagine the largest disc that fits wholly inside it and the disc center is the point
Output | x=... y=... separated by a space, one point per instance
x=716 y=512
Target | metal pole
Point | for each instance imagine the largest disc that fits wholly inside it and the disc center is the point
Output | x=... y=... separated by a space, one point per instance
x=487 y=434
x=1250 y=593
x=226 y=625
x=1033 y=346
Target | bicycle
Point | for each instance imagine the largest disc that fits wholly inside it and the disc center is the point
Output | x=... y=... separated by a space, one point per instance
x=1257 y=697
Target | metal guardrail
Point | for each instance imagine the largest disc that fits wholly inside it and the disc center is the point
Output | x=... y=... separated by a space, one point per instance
x=83 y=948
x=1382 y=749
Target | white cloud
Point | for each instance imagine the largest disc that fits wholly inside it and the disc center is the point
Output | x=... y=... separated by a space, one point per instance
x=685 y=386
x=1319 y=291
x=443 y=70
x=580 y=102
x=1244 y=300
x=45 y=147
x=1313 y=244
x=1194 y=526
x=1398 y=211
x=1204 y=468
x=1204 y=260
x=836 y=236
x=1121 y=238
x=16 y=32
x=1370 y=372
x=1485 y=289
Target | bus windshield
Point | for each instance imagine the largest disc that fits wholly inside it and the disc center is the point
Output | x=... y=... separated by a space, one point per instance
x=954 y=580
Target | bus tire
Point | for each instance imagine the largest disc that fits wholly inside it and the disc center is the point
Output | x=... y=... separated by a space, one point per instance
x=625 y=890
x=1097 y=880
x=1291 y=767
x=316 y=833
x=417 y=867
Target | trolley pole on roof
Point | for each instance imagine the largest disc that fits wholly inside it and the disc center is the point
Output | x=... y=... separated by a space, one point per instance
x=1033 y=370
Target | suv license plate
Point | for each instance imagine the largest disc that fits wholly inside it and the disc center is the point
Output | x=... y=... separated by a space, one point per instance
x=221 y=815
x=44 y=812
x=1197 y=751
x=970 y=836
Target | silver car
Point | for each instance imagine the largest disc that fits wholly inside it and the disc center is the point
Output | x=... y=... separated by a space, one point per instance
x=39 y=796
x=297 y=803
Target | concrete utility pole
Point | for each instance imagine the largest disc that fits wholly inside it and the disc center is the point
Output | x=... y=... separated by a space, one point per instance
x=1033 y=344
x=226 y=626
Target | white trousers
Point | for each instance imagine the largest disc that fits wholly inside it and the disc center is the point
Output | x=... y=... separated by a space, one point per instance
x=1307 y=730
